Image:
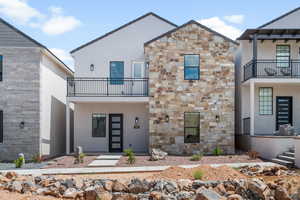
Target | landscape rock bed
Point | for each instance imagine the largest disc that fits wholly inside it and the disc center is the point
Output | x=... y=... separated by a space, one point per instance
x=156 y=189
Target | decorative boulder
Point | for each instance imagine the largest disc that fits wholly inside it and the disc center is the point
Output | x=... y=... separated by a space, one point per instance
x=78 y=151
x=157 y=154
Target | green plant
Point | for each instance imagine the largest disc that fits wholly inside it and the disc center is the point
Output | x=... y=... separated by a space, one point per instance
x=128 y=151
x=37 y=158
x=19 y=162
x=79 y=158
x=218 y=151
x=198 y=175
x=131 y=158
x=196 y=157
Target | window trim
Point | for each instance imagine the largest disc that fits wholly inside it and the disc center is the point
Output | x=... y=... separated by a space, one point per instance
x=1 y=127
x=197 y=67
x=278 y=66
x=184 y=127
x=104 y=115
x=259 y=102
x=121 y=79
x=1 y=68
x=143 y=68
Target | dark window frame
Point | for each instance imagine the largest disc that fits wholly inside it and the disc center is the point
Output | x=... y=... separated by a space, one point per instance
x=1 y=67
x=279 y=56
x=118 y=81
x=1 y=126
x=195 y=67
x=186 y=127
x=260 y=101
x=105 y=130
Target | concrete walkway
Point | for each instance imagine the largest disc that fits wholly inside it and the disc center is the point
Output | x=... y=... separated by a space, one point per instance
x=56 y=171
x=105 y=161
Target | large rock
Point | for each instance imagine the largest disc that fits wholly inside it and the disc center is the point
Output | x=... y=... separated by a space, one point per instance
x=137 y=186
x=259 y=188
x=16 y=186
x=281 y=194
x=157 y=154
x=184 y=195
x=70 y=193
x=206 y=194
x=184 y=184
x=234 y=197
x=119 y=187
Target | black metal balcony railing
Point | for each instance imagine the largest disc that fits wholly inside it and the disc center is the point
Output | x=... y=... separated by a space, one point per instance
x=89 y=87
x=272 y=69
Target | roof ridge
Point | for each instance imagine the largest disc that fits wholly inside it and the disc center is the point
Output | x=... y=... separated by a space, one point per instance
x=121 y=27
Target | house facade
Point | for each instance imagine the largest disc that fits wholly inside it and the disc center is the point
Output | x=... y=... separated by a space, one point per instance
x=269 y=83
x=32 y=100
x=151 y=84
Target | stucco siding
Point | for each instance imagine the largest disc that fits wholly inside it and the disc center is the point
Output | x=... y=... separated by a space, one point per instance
x=137 y=139
x=125 y=45
x=19 y=101
x=289 y=21
x=52 y=108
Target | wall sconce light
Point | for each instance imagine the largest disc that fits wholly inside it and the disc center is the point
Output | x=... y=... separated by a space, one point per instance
x=167 y=119
x=136 y=123
x=92 y=67
x=217 y=118
x=22 y=125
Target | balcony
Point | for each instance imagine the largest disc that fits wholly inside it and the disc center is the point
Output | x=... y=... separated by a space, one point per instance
x=272 y=69
x=103 y=87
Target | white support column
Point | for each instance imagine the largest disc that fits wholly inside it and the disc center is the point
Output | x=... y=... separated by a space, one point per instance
x=67 y=127
x=252 y=106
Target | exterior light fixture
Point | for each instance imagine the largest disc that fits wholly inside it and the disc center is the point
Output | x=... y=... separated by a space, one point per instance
x=217 y=118
x=136 y=123
x=22 y=125
x=92 y=67
x=167 y=119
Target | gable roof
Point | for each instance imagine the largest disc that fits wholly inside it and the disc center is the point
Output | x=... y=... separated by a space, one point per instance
x=37 y=43
x=278 y=18
x=121 y=27
x=188 y=23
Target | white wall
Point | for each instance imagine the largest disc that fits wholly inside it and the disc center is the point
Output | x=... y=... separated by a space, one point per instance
x=125 y=45
x=138 y=138
x=52 y=107
x=289 y=21
x=265 y=124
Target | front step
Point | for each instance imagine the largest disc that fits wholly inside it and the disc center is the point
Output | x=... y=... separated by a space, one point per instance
x=287 y=158
x=282 y=162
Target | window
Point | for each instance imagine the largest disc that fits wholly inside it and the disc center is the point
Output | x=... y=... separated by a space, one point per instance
x=1 y=126
x=282 y=55
x=99 y=125
x=1 y=67
x=191 y=67
x=116 y=72
x=265 y=101
x=138 y=69
x=192 y=127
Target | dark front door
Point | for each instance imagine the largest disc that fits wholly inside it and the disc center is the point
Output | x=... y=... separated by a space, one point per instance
x=115 y=132
x=284 y=111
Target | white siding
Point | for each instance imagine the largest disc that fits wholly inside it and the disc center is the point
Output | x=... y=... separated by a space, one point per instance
x=137 y=139
x=290 y=21
x=125 y=45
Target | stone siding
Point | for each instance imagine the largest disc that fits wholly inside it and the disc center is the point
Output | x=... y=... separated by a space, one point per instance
x=19 y=101
x=212 y=95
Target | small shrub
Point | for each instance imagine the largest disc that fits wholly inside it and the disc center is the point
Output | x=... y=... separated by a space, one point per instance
x=19 y=162
x=218 y=151
x=198 y=175
x=131 y=158
x=196 y=157
x=79 y=158
x=253 y=155
x=37 y=158
x=128 y=151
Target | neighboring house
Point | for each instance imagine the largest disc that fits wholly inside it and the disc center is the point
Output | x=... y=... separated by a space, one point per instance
x=151 y=84
x=33 y=97
x=269 y=84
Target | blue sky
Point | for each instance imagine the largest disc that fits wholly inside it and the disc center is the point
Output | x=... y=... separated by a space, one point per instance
x=63 y=25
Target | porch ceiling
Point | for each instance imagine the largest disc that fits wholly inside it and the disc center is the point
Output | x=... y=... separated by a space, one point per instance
x=271 y=34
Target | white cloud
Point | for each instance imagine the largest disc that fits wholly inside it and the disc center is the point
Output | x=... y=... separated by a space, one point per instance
x=236 y=19
x=220 y=26
x=64 y=56
x=19 y=11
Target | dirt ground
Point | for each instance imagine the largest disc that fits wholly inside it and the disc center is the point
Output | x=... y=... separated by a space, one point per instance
x=6 y=195
x=68 y=161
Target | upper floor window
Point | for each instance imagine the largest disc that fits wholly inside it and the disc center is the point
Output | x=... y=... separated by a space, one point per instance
x=1 y=67
x=1 y=126
x=266 y=101
x=191 y=67
x=116 y=72
x=138 y=69
x=191 y=127
x=283 y=55
x=99 y=125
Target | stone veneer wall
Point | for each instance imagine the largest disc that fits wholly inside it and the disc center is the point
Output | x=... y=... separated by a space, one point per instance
x=212 y=95
x=19 y=100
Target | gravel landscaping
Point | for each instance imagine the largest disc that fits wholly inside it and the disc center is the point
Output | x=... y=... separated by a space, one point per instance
x=8 y=166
